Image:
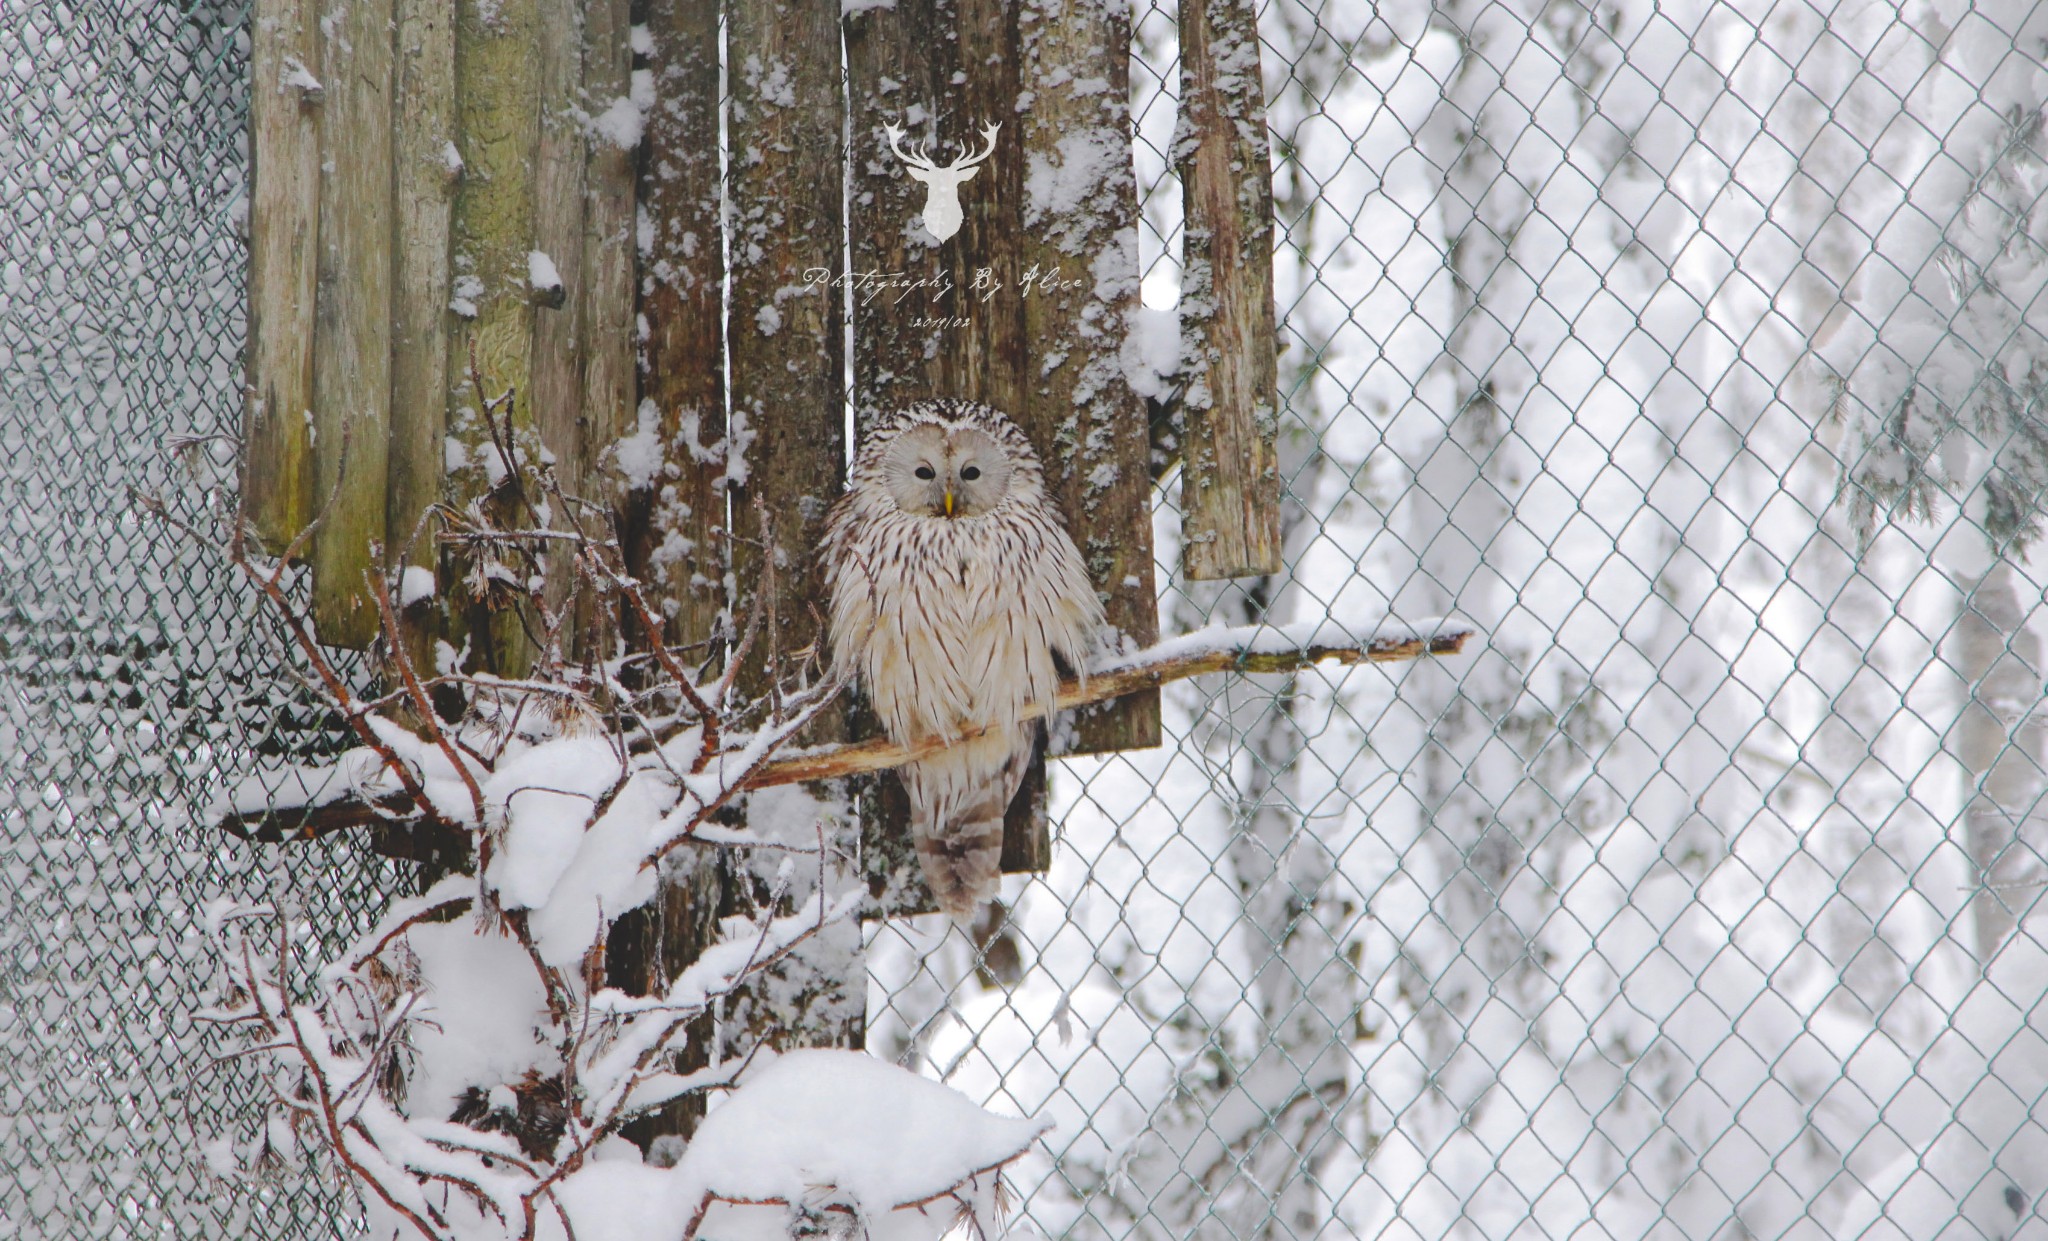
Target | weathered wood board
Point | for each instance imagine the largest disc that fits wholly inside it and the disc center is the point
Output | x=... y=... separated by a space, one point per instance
x=1230 y=472
x=787 y=420
x=675 y=516
x=352 y=322
x=425 y=171
x=1024 y=307
x=284 y=222
x=460 y=199
x=1080 y=254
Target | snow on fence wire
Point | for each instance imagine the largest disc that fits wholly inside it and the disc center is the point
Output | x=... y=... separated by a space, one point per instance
x=1688 y=350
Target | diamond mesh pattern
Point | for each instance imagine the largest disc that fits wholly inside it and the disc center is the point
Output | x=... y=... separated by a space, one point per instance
x=128 y=680
x=1694 y=901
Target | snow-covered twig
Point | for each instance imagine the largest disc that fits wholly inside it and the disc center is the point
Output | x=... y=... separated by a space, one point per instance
x=1250 y=649
x=1258 y=650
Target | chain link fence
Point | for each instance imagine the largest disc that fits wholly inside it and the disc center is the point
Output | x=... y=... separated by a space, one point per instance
x=1689 y=350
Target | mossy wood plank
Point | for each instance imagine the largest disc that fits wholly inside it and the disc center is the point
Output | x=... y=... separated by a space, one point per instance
x=497 y=78
x=424 y=171
x=675 y=512
x=352 y=322
x=1080 y=268
x=1230 y=476
x=284 y=212
x=558 y=235
x=608 y=239
x=424 y=174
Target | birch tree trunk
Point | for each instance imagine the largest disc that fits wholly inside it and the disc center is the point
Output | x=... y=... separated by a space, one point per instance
x=1998 y=664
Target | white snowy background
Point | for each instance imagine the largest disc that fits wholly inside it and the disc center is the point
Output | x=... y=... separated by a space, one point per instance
x=1694 y=903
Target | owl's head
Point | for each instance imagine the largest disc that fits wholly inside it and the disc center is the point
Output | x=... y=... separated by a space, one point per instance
x=947 y=469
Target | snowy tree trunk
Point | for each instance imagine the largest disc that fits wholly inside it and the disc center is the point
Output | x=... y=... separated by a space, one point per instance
x=1465 y=960
x=1998 y=663
x=1284 y=1112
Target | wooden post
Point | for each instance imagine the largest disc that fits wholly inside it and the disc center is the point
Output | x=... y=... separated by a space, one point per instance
x=984 y=356
x=1013 y=310
x=608 y=249
x=674 y=508
x=889 y=55
x=1080 y=259
x=787 y=436
x=675 y=511
x=787 y=439
x=952 y=324
x=1230 y=474
x=497 y=75
x=284 y=213
x=558 y=193
x=558 y=167
x=352 y=327
x=425 y=168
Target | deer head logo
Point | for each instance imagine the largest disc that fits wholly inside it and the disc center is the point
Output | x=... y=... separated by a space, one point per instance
x=942 y=184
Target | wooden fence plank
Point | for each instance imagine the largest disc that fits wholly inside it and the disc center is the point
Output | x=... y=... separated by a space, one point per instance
x=352 y=325
x=424 y=170
x=675 y=513
x=890 y=81
x=1230 y=474
x=788 y=435
x=672 y=512
x=608 y=248
x=284 y=212
x=558 y=236
x=497 y=79
x=953 y=322
x=1080 y=277
x=985 y=357
x=788 y=402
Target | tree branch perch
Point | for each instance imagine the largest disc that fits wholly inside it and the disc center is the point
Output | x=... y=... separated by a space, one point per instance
x=1248 y=650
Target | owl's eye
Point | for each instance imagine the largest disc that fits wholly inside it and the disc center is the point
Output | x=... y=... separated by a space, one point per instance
x=970 y=473
x=925 y=472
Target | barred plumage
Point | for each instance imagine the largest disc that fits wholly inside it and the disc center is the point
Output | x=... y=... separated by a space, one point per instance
x=954 y=583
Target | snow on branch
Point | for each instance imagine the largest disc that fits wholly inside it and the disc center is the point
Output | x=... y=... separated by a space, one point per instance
x=1249 y=648
x=298 y=804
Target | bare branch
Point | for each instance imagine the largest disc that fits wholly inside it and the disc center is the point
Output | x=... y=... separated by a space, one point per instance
x=857 y=758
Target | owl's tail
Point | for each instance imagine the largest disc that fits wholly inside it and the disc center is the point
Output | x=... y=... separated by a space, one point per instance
x=963 y=865
x=959 y=838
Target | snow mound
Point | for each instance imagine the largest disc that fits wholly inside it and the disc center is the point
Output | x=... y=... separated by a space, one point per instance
x=838 y=1128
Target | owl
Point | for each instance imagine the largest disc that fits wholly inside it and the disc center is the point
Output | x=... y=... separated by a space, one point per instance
x=953 y=585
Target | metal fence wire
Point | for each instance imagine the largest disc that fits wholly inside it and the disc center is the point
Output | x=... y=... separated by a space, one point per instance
x=1690 y=350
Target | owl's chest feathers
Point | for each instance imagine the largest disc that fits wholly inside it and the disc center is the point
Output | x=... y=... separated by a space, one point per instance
x=958 y=638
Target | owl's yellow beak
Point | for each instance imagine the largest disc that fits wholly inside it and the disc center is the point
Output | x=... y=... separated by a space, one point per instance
x=949 y=501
